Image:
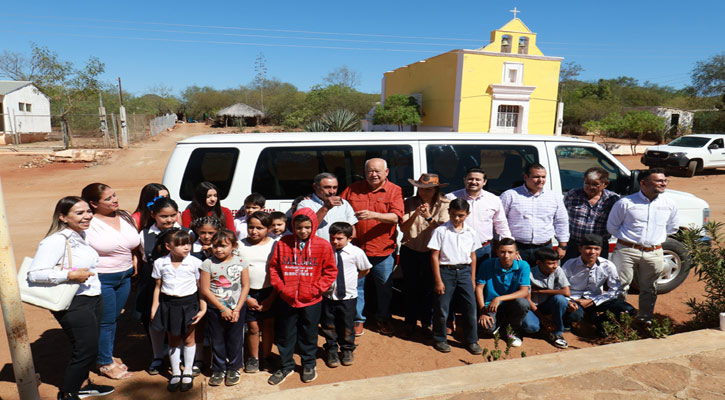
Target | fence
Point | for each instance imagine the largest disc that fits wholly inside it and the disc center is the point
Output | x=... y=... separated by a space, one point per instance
x=81 y=130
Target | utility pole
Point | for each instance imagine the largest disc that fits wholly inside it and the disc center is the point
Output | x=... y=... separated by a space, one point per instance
x=122 y=115
x=15 y=326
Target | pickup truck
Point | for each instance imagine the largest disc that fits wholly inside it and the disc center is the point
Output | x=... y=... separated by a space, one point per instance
x=689 y=154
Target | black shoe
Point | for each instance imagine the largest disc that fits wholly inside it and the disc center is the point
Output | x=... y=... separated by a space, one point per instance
x=252 y=365
x=67 y=396
x=279 y=376
x=187 y=382
x=347 y=357
x=217 y=377
x=232 y=377
x=475 y=349
x=308 y=374
x=155 y=367
x=172 y=387
x=93 y=390
x=443 y=347
x=333 y=360
x=196 y=369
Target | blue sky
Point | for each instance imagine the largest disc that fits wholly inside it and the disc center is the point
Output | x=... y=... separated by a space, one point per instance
x=182 y=43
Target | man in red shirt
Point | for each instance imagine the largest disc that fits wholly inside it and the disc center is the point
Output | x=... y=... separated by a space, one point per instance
x=378 y=205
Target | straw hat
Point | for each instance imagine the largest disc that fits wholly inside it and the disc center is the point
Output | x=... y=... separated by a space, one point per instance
x=427 y=181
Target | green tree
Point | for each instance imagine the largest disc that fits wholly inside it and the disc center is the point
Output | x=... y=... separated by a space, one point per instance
x=398 y=109
x=708 y=77
x=342 y=76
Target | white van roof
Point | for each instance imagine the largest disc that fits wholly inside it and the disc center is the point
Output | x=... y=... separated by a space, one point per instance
x=358 y=136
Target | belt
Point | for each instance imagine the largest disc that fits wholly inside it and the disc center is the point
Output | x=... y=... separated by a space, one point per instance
x=638 y=246
x=455 y=266
x=522 y=245
x=486 y=243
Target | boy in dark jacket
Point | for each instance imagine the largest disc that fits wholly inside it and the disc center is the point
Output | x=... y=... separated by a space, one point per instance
x=302 y=267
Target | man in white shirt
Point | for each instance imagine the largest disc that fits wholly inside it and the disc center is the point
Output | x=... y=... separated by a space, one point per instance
x=328 y=206
x=641 y=223
x=588 y=275
x=486 y=211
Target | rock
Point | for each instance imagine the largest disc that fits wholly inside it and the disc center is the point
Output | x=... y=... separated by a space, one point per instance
x=79 y=155
x=664 y=377
x=709 y=363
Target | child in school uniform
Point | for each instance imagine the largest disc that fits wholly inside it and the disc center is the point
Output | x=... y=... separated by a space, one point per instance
x=176 y=307
x=164 y=213
x=453 y=256
x=252 y=203
x=549 y=294
x=339 y=302
x=301 y=269
x=225 y=285
x=279 y=225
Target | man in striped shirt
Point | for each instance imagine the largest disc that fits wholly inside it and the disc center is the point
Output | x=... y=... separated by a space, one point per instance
x=535 y=215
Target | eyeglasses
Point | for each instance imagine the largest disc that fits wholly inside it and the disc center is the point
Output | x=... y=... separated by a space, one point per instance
x=593 y=184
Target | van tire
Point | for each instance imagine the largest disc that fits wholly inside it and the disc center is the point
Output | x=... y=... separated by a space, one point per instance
x=691 y=168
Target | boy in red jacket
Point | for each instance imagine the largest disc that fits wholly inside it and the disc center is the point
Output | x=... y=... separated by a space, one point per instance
x=301 y=269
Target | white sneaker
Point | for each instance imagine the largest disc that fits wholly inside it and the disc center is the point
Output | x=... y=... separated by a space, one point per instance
x=515 y=340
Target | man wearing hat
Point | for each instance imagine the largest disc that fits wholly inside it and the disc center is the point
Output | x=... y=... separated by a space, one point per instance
x=487 y=211
x=588 y=275
x=423 y=213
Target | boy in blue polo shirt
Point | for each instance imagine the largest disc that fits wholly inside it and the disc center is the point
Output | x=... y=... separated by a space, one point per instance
x=502 y=289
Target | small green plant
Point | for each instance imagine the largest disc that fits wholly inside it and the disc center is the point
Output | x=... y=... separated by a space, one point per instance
x=660 y=329
x=523 y=354
x=339 y=120
x=620 y=330
x=708 y=260
x=498 y=354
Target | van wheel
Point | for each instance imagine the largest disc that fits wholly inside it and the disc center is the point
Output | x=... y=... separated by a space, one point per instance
x=676 y=266
x=691 y=169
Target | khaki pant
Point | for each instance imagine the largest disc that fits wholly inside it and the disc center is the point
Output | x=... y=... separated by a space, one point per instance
x=649 y=266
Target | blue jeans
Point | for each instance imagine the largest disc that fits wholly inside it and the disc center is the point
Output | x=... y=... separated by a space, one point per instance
x=381 y=271
x=458 y=283
x=556 y=307
x=115 y=288
x=483 y=254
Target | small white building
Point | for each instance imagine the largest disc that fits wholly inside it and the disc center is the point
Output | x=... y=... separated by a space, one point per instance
x=24 y=108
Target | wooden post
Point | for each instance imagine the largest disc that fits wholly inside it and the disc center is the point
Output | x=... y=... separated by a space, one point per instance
x=15 y=327
x=115 y=130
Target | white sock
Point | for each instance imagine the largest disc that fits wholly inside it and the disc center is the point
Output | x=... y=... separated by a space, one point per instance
x=157 y=343
x=189 y=358
x=175 y=359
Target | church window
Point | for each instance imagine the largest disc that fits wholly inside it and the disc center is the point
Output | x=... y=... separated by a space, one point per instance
x=506 y=44
x=508 y=116
x=523 y=45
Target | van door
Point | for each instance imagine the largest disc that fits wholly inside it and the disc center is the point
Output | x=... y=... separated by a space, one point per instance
x=572 y=159
x=503 y=161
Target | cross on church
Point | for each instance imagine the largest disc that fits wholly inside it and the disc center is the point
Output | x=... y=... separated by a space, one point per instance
x=515 y=11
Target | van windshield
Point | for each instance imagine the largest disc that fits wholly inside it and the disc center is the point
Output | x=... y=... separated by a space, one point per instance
x=287 y=172
x=689 y=141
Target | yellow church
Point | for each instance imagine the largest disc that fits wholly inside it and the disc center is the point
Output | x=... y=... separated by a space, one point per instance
x=508 y=86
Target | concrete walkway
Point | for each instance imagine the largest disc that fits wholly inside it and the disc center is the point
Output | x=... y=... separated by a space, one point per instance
x=685 y=366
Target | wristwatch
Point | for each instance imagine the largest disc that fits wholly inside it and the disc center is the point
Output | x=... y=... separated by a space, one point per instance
x=429 y=219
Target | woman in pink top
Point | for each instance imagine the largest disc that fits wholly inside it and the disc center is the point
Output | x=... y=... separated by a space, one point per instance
x=114 y=236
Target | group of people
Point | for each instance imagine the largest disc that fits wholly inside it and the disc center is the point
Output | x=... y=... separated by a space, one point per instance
x=469 y=258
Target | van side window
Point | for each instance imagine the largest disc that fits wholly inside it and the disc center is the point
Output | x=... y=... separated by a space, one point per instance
x=574 y=160
x=504 y=164
x=215 y=165
x=287 y=172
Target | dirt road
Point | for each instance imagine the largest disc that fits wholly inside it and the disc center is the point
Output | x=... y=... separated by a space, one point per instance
x=30 y=195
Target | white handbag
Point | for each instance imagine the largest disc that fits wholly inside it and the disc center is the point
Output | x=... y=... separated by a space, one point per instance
x=54 y=297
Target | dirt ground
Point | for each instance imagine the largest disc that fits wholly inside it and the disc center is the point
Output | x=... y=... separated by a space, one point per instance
x=30 y=194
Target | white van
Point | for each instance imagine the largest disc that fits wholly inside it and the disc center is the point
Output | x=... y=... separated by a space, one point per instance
x=281 y=166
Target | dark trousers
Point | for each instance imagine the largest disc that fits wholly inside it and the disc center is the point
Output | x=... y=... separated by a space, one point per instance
x=598 y=314
x=572 y=251
x=417 y=286
x=528 y=253
x=297 y=326
x=513 y=312
x=227 y=340
x=337 y=324
x=459 y=287
x=82 y=323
